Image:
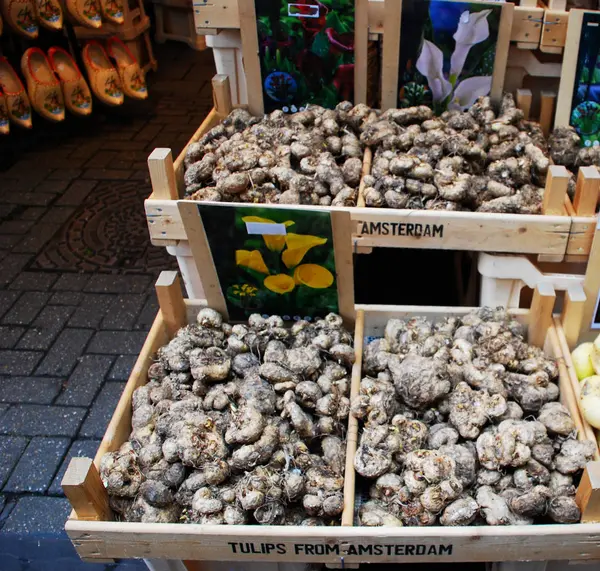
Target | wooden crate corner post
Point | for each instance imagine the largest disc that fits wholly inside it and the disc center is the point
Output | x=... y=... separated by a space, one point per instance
x=524 y=99
x=557 y=182
x=547 y=105
x=222 y=94
x=586 y=191
x=86 y=492
x=162 y=174
x=542 y=305
x=588 y=493
x=170 y=300
x=572 y=314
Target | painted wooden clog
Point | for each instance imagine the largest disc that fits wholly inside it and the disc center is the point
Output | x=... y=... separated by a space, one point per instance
x=112 y=10
x=21 y=16
x=76 y=92
x=17 y=102
x=4 y=124
x=86 y=12
x=42 y=85
x=102 y=75
x=49 y=14
x=132 y=76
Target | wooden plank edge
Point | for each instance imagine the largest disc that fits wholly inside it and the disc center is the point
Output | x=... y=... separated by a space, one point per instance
x=366 y=170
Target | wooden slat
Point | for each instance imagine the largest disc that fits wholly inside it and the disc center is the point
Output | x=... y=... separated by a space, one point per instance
x=527 y=27
x=352 y=434
x=200 y=247
x=84 y=490
x=162 y=174
x=361 y=46
x=517 y=233
x=569 y=68
x=588 y=493
x=222 y=95
x=571 y=388
x=542 y=305
x=547 y=103
x=524 y=98
x=554 y=31
x=222 y=14
x=587 y=191
x=391 y=54
x=557 y=182
x=591 y=284
x=344 y=266
x=170 y=300
x=249 y=32
x=119 y=427
x=572 y=314
x=502 y=47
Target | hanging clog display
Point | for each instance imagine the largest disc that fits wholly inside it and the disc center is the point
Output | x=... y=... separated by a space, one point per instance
x=21 y=16
x=17 y=101
x=42 y=85
x=102 y=75
x=131 y=75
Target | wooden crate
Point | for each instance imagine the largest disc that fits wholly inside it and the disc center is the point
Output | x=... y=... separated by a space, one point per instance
x=96 y=537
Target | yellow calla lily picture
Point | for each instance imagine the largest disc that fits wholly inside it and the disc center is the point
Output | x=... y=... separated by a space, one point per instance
x=272 y=260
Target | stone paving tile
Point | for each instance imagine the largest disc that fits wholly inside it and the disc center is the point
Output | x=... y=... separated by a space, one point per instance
x=7 y=298
x=79 y=448
x=32 y=213
x=7 y=241
x=38 y=390
x=65 y=352
x=92 y=309
x=37 y=466
x=54 y=186
x=148 y=313
x=3 y=409
x=45 y=328
x=9 y=335
x=33 y=281
x=57 y=215
x=117 y=342
x=26 y=308
x=19 y=362
x=76 y=193
x=87 y=378
x=17 y=226
x=106 y=174
x=12 y=264
x=40 y=420
x=102 y=410
x=123 y=311
x=101 y=283
x=11 y=448
x=35 y=241
x=72 y=282
x=122 y=368
x=35 y=514
x=64 y=174
x=30 y=198
x=71 y=298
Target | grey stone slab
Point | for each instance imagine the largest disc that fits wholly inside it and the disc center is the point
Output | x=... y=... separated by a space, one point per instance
x=65 y=352
x=38 y=464
x=123 y=311
x=12 y=264
x=7 y=241
x=11 y=448
x=92 y=309
x=72 y=282
x=102 y=410
x=39 y=420
x=58 y=215
x=38 y=515
x=33 y=281
x=18 y=362
x=17 y=227
x=76 y=193
x=3 y=409
x=148 y=313
x=122 y=368
x=86 y=380
x=79 y=448
x=31 y=198
x=35 y=390
x=46 y=326
x=32 y=213
x=25 y=310
x=54 y=186
x=9 y=335
x=7 y=298
x=35 y=241
x=71 y=298
x=117 y=342
x=64 y=174
x=101 y=283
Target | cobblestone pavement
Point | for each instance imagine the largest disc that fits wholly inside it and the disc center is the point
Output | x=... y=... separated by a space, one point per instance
x=68 y=338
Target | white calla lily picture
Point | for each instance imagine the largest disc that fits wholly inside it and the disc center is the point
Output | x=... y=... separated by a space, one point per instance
x=451 y=48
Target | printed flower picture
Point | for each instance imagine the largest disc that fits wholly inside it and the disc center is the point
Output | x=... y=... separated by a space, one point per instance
x=447 y=53
x=306 y=52
x=275 y=261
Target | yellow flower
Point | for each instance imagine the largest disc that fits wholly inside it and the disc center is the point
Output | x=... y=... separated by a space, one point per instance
x=297 y=246
x=274 y=243
x=281 y=283
x=252 y=260
x=313 y=275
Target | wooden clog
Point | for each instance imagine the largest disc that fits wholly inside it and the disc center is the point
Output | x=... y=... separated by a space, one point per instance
x=21 y=16
x=112 y=10
x=86 y=12
x=4 y=124
x=76 y=92
x=49 y=14
x=132 y=76
x=17 y=102
x=42 y=85
x=102 y=75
